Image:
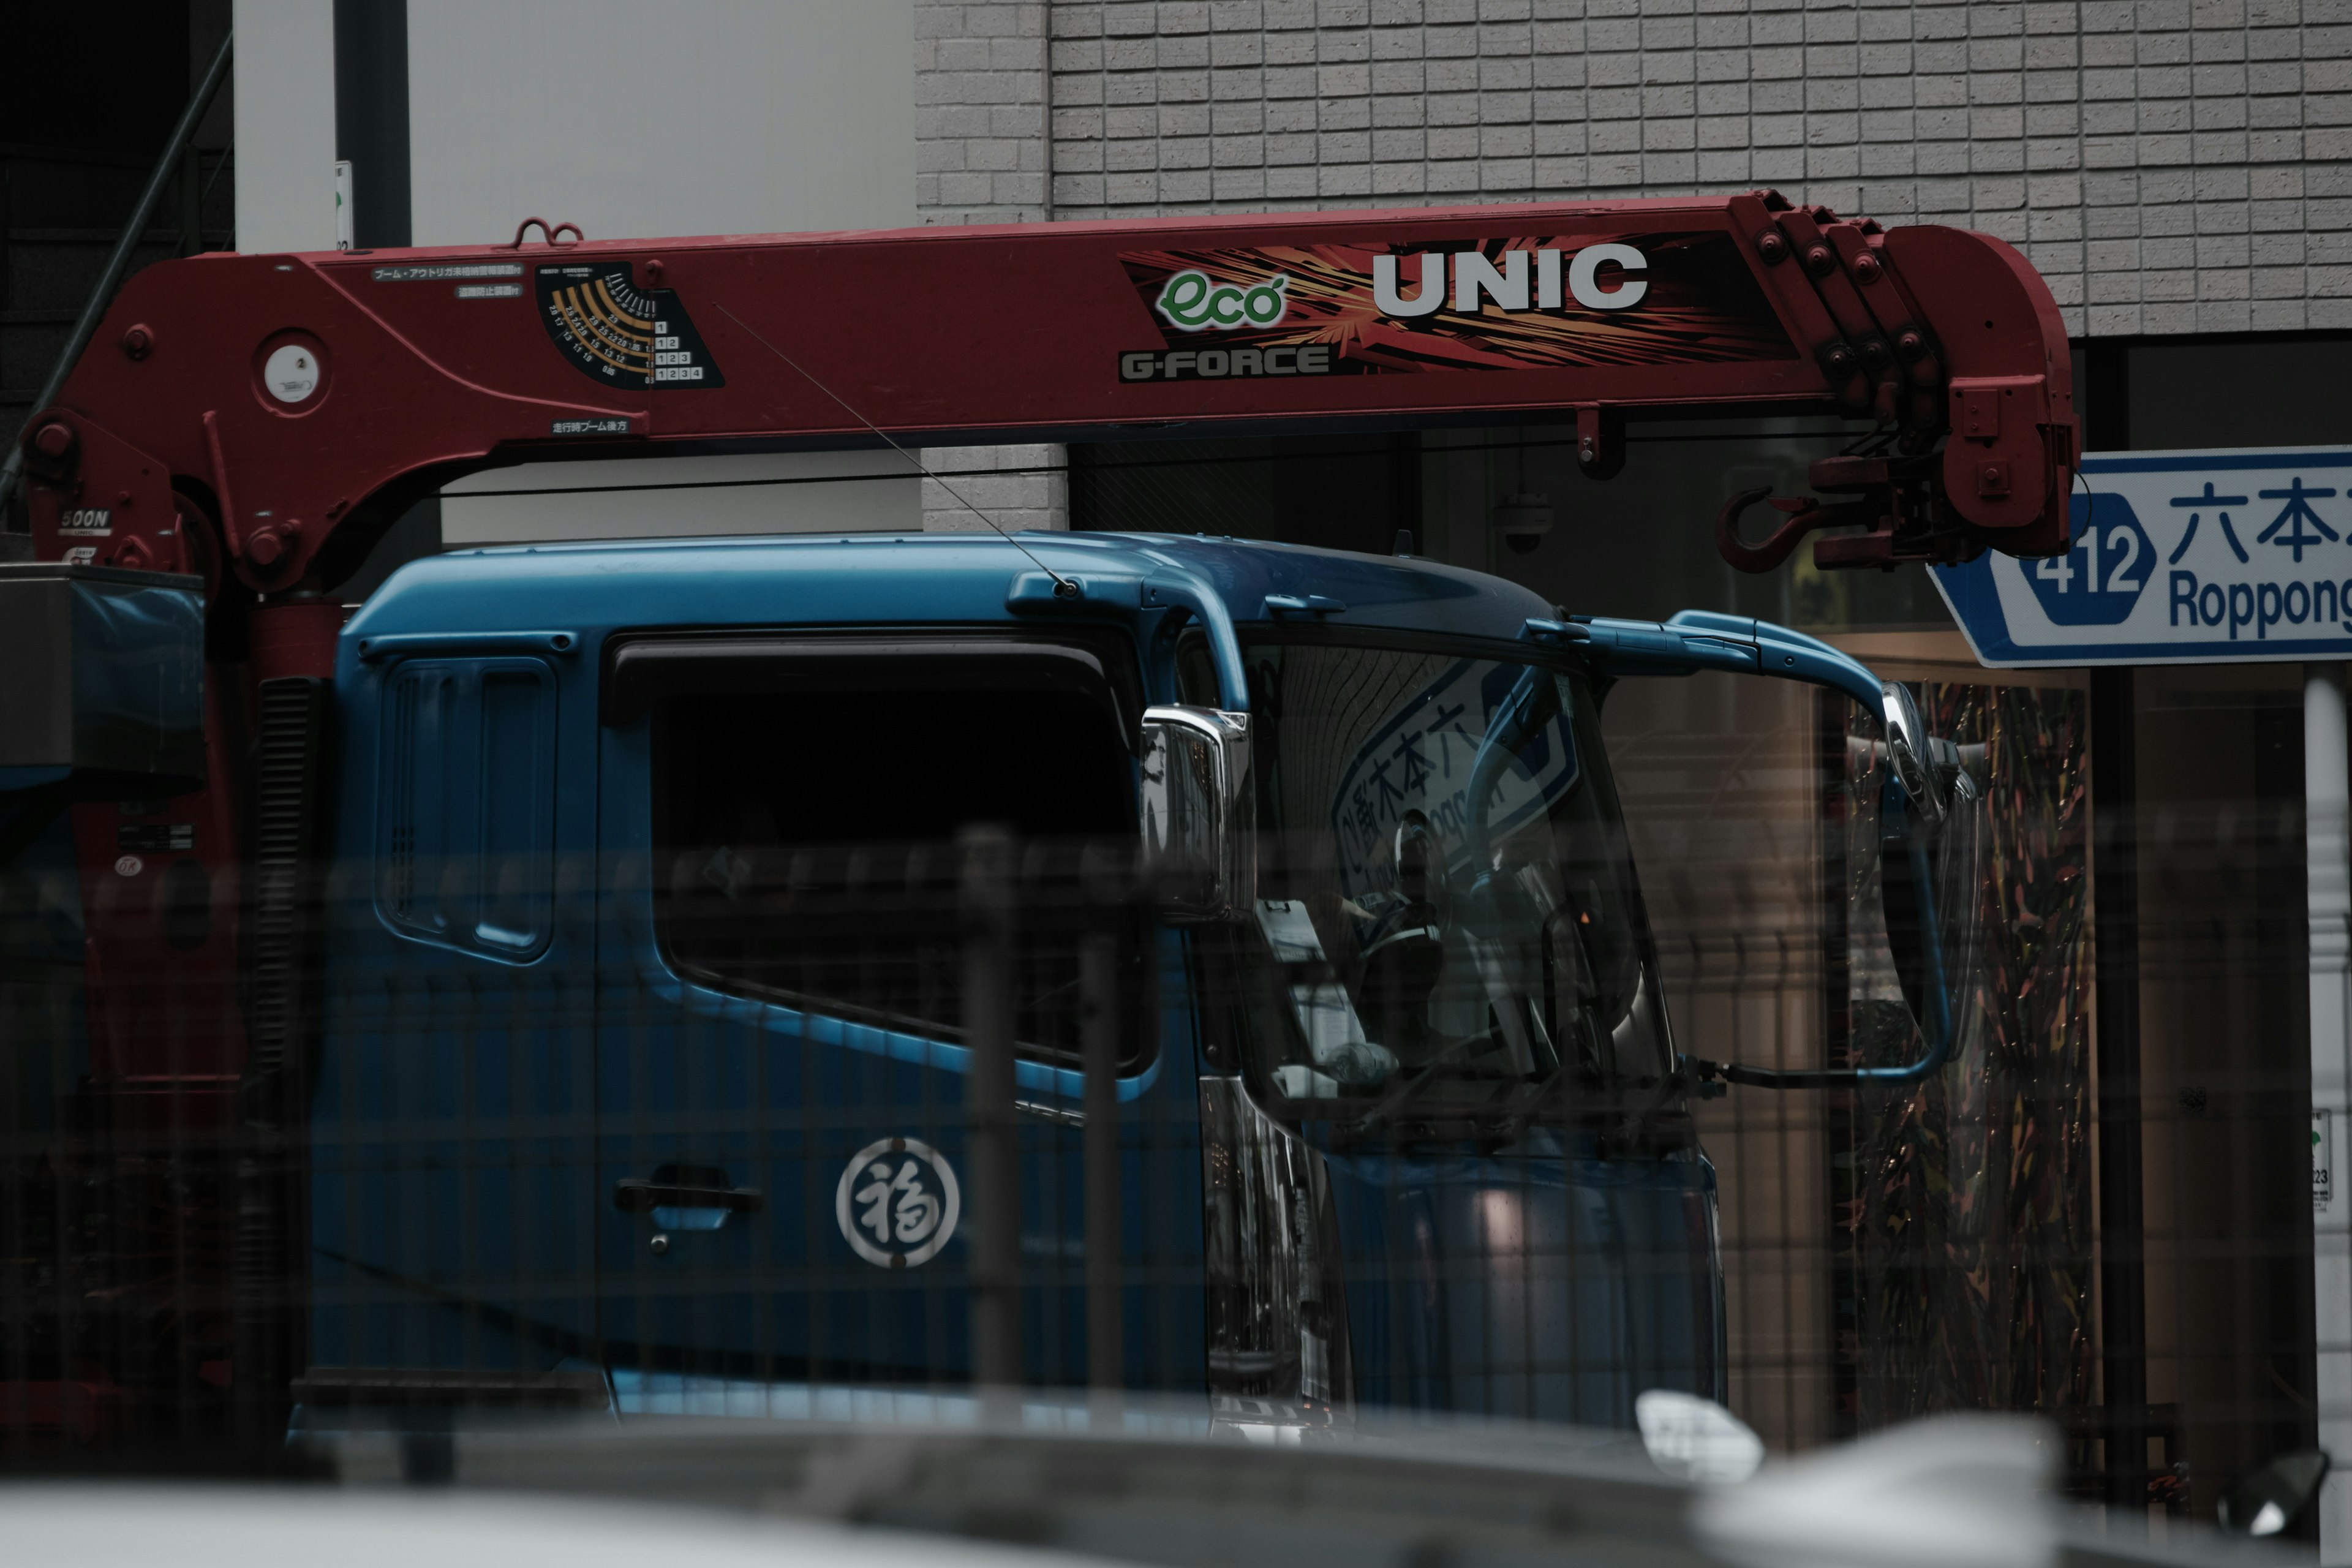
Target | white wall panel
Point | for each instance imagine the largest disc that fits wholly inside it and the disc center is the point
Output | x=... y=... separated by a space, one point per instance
x=285 y=87
x=482 y=509
x=657 y=118
x=660 y=117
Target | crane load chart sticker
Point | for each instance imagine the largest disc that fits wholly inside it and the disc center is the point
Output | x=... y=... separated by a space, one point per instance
x=619 y=335
x=2176 y=558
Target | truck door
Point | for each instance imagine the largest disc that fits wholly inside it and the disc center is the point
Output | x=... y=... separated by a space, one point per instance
x=448 y=1214
x=783 y=1192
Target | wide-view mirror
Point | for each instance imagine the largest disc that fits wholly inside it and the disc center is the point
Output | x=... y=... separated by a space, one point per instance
x=1196 y=812
x=1928 y=840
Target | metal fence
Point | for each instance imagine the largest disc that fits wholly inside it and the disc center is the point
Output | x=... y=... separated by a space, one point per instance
x=768 y=1132
x=729 y=1131
x=2101 y=1210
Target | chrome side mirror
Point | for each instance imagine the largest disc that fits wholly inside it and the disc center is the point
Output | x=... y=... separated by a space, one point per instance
x=1199 y=813
x=1909 y=754
x=1928 y=771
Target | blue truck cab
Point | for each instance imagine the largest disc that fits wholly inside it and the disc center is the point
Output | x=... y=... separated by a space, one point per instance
x=641 y=1048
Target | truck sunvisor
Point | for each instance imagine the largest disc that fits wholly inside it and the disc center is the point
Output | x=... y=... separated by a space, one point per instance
x=640 y=672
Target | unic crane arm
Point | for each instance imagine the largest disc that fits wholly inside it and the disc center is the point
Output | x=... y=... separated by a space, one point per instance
x=289 y=408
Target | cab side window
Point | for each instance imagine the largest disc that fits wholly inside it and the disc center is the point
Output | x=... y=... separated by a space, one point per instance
x=1196 y=671
x=466 y=805
x=805 y=844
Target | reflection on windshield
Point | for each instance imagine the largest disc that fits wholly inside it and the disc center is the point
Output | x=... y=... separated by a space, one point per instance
x=1444 y=886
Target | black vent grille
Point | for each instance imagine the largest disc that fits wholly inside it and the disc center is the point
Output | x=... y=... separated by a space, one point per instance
x=289 y=815
x=280 y=951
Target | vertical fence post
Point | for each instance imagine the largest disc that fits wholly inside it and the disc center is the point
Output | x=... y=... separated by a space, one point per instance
x=1098 y=1014
x=1842 y=1124
x=2123 y=1280
x=2327 y=793
x=995 y=1155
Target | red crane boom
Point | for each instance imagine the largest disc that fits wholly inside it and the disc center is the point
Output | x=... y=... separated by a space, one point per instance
x=291 y=406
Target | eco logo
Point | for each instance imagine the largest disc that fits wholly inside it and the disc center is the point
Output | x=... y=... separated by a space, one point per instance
x=898 y=1203
x=1536 y=301
x=1192 y=303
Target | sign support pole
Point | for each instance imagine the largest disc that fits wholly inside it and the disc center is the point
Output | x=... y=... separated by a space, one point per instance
x=2123 y=1276
x=2327 y=798
x=2222 y=556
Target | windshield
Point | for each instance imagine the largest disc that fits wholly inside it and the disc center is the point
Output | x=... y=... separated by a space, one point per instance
x=1444 y=893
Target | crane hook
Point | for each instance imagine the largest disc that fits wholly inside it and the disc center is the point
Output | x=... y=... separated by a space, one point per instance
x=1805 y=514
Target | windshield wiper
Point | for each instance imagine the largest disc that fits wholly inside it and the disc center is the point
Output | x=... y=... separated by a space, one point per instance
x=1388 y=1112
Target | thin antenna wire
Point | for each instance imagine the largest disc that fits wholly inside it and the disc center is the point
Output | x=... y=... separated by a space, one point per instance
x=1063 y=588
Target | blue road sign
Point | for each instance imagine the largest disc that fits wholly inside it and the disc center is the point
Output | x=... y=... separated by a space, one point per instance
x=2179 y=558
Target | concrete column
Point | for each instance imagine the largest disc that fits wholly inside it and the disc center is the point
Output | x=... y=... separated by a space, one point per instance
x=2327 y=792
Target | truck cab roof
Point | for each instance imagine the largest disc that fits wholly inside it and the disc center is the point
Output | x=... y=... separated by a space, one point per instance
x=590 y=589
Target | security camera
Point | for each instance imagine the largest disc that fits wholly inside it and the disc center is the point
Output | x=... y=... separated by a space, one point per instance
x=1523 y=520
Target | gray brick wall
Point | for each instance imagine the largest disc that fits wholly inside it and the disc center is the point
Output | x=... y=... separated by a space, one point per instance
x=980 y=111
x=2170 y=165
x=1026 y=489
x=980 y=157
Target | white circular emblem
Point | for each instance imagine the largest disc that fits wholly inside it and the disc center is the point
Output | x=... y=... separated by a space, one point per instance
x=130 y=866
x=291 y=373
x=898 y=1203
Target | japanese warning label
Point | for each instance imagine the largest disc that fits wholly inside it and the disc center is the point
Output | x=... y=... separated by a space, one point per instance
x=1419 y=760
x=2322 y=1163
x=2177 y=557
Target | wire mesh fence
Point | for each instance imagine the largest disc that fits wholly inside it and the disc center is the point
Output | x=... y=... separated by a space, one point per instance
x=719 y=1125
x=2101 y=1209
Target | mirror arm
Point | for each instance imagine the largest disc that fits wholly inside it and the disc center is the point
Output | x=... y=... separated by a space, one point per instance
x=1937 y=1027
x=1495 y=749
x=1169 y=590
x=1707 y=639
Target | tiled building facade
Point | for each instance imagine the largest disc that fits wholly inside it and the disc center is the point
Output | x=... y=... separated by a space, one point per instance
x=2171 y=166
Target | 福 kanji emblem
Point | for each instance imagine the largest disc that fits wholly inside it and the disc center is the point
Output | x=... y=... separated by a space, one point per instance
x=898 y=1203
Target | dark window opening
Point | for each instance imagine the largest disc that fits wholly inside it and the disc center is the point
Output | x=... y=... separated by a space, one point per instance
x=805 y=848
x=1338 y=492
x=465 y=824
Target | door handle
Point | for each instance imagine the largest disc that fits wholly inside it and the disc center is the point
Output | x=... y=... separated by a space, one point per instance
x=636 y=1196
x=690 y=1187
